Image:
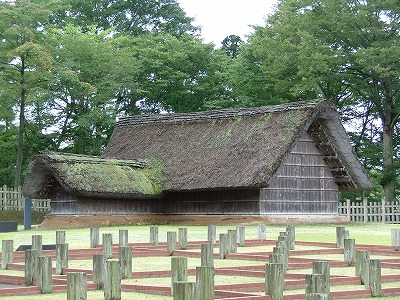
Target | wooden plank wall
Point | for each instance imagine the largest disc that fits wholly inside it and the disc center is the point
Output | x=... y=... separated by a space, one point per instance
x=240 y=201
x=304 y=184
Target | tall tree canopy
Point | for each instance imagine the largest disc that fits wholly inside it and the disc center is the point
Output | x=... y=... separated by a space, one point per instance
x=24 y=62
x=132 y=17
x=343 y=50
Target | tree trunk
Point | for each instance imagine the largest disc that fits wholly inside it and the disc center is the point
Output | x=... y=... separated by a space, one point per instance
x=21 y=131
x=389 y=177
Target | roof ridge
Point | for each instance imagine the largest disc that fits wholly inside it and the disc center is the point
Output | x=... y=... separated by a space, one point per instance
x=215 y=114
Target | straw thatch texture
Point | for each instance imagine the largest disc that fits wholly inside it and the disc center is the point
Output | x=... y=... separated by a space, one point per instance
x=90 y=176
x=227 y=149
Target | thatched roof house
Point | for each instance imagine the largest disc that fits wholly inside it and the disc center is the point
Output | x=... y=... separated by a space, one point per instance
x=290 y=160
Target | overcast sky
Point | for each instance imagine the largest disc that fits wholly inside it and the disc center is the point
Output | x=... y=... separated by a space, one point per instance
x=220 y=18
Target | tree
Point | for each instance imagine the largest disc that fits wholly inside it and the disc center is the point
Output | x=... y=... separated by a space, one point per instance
x=343 y=50
x=231 y=45
x=24 y=61
x=167 y=73
x=132 y=17
x=79 y=103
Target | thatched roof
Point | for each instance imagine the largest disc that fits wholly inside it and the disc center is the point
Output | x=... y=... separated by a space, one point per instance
x=89 y=176
x=240 y=148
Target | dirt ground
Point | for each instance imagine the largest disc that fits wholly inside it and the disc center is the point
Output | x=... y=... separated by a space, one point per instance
x=67 y=221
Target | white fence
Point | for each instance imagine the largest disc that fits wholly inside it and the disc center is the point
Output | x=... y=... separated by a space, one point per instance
x=12 y=199
x=382 y=212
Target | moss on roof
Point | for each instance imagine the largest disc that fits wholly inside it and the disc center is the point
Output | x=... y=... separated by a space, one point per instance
x=93 y=176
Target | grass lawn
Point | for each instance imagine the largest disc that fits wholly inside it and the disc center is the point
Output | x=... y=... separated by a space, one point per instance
x=372 y=234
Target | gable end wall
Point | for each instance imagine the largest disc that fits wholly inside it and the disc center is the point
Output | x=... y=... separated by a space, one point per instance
x=304 y=184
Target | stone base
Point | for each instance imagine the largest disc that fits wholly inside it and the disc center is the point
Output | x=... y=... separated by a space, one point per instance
x=8 y=226
x=68 y=221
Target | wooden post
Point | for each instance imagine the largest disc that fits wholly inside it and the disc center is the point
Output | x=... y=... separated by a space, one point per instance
x=323 y=268
x=283 y=243
x=123 y=238
x=76 y=286
x=316 y=283
x=205 y=283
x=282 y=249
x=383 y=210
x=37 y=243
x=31 y=256
x=348 y=211
x=240 y=231
x=44 y=275
x=154 y=235
x=112 y=280
x=278 y=256
x=349 y=251
x=60 y=237
x=274 y=280
x=223 y=245
x=361 y=266
x=318 y=296
x=7 y=252
x=291 y=235
x=396 y=238
x=61 y=258
x=171 y=241
x=125 y=258
x=365 y=210
x=212 y=234
x=107 y=245
x=184 y=290
x=340 y=232
x=182 y=238
x=232 y=241
x=179 y=271
x=375 y=277
x=262 y=232
x=94 y=237
x=207 y=255
x=99 y=269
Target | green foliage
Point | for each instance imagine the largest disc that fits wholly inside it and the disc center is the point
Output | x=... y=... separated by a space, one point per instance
x=374 y=194
x=171 y=74
x=133 y=17
x=343 y=51
x=231 y=45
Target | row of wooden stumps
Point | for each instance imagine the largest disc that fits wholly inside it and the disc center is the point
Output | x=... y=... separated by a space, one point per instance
x=108 y=272
x=368 y=269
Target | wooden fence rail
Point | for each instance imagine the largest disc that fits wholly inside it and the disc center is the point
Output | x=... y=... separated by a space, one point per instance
x=374 y=212
x=12 y=199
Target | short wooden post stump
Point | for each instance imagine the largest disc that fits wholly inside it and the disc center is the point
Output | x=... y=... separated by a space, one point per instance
x=171 y=242
x=184 y=290
x=99 y=269
x=205 y=283
x=94 y=237
x=274 y=280
x=112 y=280
x=44 y=274
x=107 y=245
x=61 y=258
x=7 y=252
x=125 y=258
x=182 y=237
x=154 y=235
x=179 y=271
x=76 y=286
